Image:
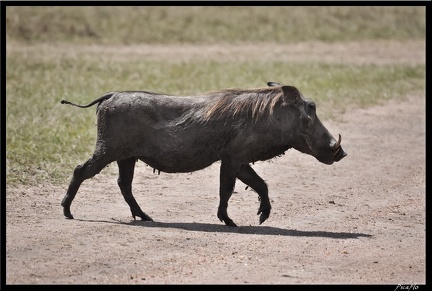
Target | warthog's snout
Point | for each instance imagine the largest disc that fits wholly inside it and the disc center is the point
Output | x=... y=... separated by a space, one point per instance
x=338 y=152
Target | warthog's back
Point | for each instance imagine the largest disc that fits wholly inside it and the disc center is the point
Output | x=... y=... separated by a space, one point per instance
x=161 y=130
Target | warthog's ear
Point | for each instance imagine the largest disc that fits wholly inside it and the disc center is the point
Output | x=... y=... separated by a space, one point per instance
x=291 y=94
x=273 y=84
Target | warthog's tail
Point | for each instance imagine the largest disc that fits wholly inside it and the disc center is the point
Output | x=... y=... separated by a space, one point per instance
x=100 y=99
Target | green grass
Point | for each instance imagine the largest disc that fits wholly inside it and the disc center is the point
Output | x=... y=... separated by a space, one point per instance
x=200 y=24
x=46 y=140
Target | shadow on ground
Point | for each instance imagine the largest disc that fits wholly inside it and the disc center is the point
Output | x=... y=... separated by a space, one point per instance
x=260 y=230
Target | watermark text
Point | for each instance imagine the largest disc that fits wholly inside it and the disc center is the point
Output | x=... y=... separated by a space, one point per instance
x=406 y=287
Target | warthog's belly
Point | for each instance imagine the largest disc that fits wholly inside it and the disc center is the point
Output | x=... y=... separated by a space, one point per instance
x=178 y=163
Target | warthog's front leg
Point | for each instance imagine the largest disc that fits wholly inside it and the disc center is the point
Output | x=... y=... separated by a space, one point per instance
x=248 y=176
x=226 y=188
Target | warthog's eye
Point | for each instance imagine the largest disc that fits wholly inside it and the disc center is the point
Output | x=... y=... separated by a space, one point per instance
x=311 y=108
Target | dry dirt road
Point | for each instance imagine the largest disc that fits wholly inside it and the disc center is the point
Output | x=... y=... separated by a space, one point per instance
x=359 y=221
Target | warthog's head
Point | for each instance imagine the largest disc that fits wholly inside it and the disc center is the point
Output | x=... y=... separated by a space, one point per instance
x=302 y=129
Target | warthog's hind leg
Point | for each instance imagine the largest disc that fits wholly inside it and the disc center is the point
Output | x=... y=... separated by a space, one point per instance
x=126 y=172
x=82 y=172
x=248 y=176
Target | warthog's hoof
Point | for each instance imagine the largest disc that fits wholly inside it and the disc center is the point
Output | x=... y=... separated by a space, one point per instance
x=265 y=213
x=228 y=221
x=66 y=207
x=67 y=213
x=263 y=217
x=141 y=215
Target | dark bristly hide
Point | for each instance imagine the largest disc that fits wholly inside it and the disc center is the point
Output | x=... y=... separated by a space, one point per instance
x=177 y=134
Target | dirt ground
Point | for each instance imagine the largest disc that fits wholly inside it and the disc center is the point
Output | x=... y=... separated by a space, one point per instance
x=359 y=221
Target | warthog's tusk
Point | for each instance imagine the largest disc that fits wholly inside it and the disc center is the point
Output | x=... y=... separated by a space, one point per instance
x=338 y=144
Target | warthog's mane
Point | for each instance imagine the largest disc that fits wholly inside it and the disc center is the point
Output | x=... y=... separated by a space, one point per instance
x=245 y=103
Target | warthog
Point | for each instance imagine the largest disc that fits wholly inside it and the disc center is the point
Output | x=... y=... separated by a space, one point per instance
x=176 y=134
